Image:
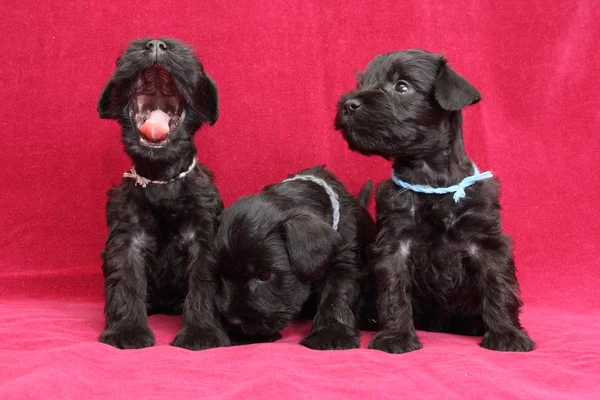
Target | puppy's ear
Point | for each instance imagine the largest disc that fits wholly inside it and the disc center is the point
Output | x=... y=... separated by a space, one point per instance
x=211 y=101
x=310 y=244
x=110 y=105
x=452 y=91
x=359 y=78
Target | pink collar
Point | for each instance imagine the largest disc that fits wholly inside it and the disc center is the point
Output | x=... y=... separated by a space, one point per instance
x=143 y=182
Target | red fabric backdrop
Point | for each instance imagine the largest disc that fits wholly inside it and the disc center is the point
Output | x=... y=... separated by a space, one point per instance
x=280 y=67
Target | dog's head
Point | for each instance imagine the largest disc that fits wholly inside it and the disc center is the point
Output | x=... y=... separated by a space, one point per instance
x=268 y=258
x=401 y=101
x=161 y=95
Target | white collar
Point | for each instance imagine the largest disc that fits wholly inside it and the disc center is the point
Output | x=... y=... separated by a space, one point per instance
x=333 y=196
x=143 y=182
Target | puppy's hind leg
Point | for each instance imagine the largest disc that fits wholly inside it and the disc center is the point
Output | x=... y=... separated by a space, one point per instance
x=335 y=326
x=367 y=309
x=126 y=261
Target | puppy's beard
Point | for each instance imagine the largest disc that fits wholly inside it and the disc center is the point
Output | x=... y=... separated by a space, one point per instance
x=345 y=124
x=362 y=142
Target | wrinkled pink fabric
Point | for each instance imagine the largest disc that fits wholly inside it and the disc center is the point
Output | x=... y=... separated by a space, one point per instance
x=49 y=349
x=280 y=67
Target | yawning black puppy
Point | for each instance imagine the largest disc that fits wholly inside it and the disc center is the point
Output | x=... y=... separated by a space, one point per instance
x=296 y=247
x=163 y=217
x=441 y=259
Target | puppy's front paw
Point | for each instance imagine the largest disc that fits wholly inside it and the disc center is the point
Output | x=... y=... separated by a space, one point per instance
x=129 y=337
x=200 y=339
x=339 y=337
x=516 y=340
x=395 y=342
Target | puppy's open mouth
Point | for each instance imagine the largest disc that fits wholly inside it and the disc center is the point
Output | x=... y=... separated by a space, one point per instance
x=157 y=108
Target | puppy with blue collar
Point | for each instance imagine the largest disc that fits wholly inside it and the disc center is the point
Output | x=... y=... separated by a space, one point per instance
x=440 y=258
x=296 y=249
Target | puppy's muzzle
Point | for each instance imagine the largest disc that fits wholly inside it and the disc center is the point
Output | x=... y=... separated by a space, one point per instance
x=352 y=101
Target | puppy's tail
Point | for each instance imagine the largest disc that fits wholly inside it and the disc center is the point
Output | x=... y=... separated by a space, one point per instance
x=365 y=193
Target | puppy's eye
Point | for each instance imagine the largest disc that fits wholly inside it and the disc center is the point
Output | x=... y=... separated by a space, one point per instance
x=264 y=276
x=401 y=87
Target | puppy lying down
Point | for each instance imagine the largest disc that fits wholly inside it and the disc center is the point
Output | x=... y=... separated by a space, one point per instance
x=293 y=249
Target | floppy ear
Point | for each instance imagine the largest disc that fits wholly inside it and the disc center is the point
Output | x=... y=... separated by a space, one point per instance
x=310 y=244
x=110 y=105
x=211 y=101
x=452 y=91
x=359 y=77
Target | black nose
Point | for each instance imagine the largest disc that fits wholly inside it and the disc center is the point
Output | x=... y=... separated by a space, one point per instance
x=156 y=45
x=234 y=321
x=352 y=105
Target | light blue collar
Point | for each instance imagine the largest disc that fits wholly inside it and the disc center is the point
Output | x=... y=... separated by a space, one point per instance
x=458 y=190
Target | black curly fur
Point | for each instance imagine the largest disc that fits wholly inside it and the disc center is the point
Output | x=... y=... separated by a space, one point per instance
x=160 y=237
x=439 y=265
x=280 y=258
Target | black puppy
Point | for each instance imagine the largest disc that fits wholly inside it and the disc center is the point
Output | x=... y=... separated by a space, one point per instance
x=440 y=259
x=163 y=217
x=295 y=248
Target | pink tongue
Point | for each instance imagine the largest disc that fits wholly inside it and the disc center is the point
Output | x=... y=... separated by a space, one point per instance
x=156 y=126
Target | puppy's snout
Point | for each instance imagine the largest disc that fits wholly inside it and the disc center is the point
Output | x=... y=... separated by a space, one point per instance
x=352 y=105
x=234 y=321
x=156 y=45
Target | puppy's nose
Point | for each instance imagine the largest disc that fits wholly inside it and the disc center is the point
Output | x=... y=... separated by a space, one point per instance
x=156 y=45
x=352 y=105
x=234 y=321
